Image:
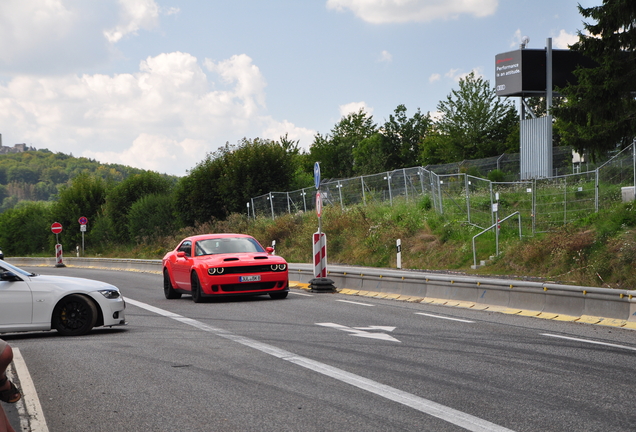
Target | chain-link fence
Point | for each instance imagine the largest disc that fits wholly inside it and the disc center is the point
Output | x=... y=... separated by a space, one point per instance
x=542 y=203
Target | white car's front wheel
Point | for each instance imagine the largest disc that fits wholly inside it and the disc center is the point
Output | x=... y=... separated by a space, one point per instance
x=74 y=315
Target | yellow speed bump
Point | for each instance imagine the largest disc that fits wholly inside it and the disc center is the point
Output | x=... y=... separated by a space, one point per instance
x=566 y=318
x=612 y=322
x=529 y=313
x=503 y=309
x=588 y=319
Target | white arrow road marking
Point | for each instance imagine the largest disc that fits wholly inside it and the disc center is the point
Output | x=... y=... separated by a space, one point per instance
x=383 y=328
x=359 y=331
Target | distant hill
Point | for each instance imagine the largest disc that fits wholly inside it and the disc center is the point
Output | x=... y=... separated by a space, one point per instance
x=37 y=175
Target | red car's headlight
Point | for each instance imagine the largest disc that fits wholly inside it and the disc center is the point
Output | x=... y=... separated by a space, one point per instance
x=216 y=270
x=278 y=267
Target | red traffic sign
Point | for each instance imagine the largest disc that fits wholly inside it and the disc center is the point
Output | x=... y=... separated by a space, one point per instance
x=82 y=220
x=56 y=227
x=318 y=204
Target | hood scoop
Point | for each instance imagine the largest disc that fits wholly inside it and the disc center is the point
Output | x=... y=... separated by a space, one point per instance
x=260 y=257
x=231 y=259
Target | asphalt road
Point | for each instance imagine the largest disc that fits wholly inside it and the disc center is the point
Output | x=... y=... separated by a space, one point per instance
x=327 y=362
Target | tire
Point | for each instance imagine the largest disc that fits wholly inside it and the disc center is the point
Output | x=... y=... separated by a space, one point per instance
x=74 y=315
x=195 y=287
x=168 y=290
x=279 y=295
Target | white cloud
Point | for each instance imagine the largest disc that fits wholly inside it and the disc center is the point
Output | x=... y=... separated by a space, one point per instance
x=165 y=117
x=154 y=152
x=62 y=36
x=456 y=76
x=385 y=57
x=564 y=39
x=134 y=15
x=516 y=39
x=434 y=77
x=354 y=107
x=399 y=11
x=275 y=130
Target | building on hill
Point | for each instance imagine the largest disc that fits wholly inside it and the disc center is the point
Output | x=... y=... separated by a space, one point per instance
x=17 y=148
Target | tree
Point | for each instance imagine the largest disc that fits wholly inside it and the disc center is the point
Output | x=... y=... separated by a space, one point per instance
x=474 y=124
x=230 y=177
x=84 y=197
x=335 y=151
x=405 y=136
x=122 y=197
x=151 y=216
x=600 y=109
x=26 y=229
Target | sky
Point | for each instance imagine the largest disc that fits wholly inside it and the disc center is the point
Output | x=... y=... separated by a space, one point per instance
x=160 y=84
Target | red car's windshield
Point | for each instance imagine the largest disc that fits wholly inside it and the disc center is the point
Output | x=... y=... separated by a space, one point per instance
x=227 y=245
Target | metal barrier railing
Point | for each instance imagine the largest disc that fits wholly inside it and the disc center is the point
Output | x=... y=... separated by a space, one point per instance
x=497 y=228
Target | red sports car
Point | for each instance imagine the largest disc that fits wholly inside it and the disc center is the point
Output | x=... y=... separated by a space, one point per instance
x=212 y=265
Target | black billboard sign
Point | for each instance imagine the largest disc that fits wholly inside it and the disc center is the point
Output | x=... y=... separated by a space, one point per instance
x=523 y=72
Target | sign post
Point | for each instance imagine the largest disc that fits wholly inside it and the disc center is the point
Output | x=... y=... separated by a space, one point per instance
x=320 y=282
x=82 y=221
x=56 y=228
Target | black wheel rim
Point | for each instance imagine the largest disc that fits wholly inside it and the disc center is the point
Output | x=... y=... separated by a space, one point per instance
x=75 y=315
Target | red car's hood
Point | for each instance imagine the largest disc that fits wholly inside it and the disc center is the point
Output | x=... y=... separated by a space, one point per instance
x=241 y=258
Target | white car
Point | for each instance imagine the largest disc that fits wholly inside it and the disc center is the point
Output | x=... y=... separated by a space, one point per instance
x=72 y=306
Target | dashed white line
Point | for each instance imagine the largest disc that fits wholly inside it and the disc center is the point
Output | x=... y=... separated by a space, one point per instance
x=450 y=415
x=356 y=303
x=443 y=317
x=301 y=294
x=589 y=341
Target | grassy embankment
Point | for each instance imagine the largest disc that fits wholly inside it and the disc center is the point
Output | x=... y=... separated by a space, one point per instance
x=599 y=250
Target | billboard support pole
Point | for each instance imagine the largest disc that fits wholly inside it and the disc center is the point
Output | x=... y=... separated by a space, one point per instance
x=548 y=77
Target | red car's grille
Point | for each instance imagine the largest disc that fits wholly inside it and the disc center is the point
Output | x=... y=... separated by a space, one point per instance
x=248 y=269
x=248 y=286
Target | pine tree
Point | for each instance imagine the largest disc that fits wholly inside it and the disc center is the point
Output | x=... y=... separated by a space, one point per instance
x=600 y=109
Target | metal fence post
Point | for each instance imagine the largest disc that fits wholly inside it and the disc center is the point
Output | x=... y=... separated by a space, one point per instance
x=406 y=186
x=271 y=204
x=388 y=179
x=466 y=182
x=364 y=195
x=596 y=203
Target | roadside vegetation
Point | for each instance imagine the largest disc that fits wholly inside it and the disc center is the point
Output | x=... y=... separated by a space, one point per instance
x=599 y=250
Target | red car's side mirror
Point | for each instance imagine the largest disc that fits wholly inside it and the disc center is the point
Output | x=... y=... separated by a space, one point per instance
x=269 y=250
x=181 y=254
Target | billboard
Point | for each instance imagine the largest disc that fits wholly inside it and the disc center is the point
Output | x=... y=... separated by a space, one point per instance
x=523 y=72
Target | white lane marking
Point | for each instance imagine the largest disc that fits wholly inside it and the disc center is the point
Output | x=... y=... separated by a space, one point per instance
x=461 y=419
x=359 y=331
x=443 y=317
x=589 y=341
x=29 y=408
x=301 y=294
x=356 y=303
x=383 y=328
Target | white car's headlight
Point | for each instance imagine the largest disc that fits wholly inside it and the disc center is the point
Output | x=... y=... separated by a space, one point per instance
x=110 y=293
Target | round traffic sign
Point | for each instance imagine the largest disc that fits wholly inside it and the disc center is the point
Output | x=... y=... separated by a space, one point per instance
x=56 y=227
x=318 y=204
x=82 y=220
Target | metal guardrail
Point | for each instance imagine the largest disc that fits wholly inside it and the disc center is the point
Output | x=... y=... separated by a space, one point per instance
x=591 y=304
